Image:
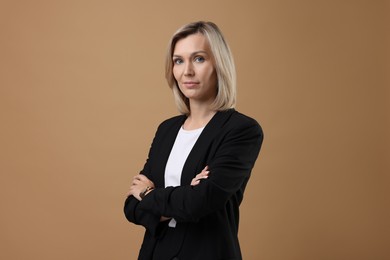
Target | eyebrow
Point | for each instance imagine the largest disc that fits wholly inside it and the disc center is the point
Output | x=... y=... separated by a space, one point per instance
x=192 y=54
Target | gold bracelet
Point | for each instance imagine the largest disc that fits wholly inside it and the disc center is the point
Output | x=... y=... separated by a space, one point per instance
x=143 y=193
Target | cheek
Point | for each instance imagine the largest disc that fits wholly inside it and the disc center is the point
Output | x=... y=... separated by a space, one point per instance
x=209 y=70
x=175 y=72
x=212 y=75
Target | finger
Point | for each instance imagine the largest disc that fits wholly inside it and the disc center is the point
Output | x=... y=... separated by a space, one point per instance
x=146 y=180
x=135 y=182
x=202 y=178
x=130 y=192
x=195 y=182
x=204 y=173
x=199 y=178
x=143 y=177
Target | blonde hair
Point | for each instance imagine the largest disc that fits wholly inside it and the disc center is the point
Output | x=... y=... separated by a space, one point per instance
x=224 y=66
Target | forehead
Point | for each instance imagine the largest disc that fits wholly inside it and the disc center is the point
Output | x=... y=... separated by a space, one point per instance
x=192 y=43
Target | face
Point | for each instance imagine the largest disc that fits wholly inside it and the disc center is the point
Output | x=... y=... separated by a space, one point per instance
x=193 y=69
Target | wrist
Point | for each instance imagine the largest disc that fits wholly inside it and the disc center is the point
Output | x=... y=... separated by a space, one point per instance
x=145 y=191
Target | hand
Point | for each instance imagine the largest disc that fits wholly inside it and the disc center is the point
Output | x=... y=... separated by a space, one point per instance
x=139 y=184
x=203 y=175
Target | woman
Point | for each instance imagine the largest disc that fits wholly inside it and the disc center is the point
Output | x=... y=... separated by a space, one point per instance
x=188 y=215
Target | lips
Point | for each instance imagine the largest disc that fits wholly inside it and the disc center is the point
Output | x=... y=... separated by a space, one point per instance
x=190 y=84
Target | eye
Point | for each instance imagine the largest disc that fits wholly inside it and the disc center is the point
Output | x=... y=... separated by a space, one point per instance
x=199 y=59
x=177 y=61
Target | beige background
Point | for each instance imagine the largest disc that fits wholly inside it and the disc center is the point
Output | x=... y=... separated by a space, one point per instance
x=82 y=91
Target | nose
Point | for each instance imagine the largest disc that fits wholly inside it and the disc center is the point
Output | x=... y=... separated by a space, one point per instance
x=189 y=70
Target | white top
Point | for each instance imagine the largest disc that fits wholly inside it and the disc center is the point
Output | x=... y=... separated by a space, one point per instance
x=185 y=141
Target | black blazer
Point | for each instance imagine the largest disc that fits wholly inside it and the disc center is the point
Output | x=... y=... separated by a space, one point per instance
x=207 y=215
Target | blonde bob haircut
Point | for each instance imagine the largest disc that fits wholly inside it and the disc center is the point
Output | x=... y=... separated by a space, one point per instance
x=224 y=66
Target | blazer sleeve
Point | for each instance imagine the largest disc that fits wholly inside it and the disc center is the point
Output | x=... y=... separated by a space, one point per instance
x=132 y=210
x=229 y=168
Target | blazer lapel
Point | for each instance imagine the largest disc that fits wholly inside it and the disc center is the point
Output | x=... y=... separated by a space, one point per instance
x=193 y=164
x=165 y=147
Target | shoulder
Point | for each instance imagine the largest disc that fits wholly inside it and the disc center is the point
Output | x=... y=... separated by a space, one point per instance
x=171 y=124
x=172 y=121
x=244 y=119
x=241 y=133
x=239 y=121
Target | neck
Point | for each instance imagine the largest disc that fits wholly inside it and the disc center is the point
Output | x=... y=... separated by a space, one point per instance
x=199 y=117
